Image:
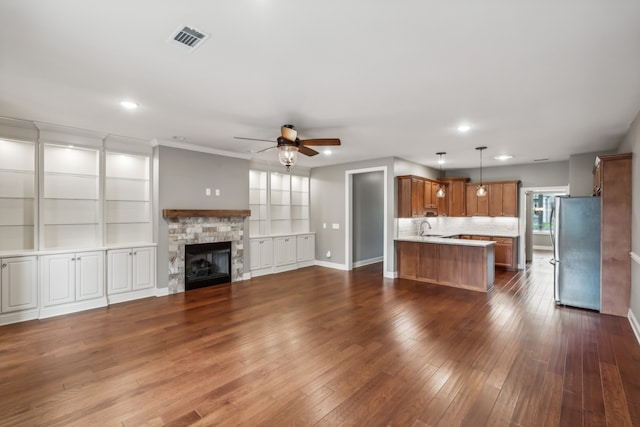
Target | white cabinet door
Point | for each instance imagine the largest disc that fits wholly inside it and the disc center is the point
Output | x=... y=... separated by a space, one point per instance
x=306 y=247
x=19 y=283
x=260 y=253
x=58 y=276
x=119 y=266
x=144 y=268
x=284 y=250
x=290 y=249
x=89 y=275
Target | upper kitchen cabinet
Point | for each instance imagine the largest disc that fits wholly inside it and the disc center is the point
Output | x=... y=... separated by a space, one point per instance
x=410 y=196
x=476 y=206
x=614 y=182
x=455 y=196
x=430 y=196
x=503 y=198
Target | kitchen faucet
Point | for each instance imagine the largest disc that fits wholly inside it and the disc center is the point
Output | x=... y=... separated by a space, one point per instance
x=422 y=228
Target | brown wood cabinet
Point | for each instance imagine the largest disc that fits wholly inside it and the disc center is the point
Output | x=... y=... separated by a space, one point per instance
x=505 y=252
x=501 y=199
x=410 y=196
x=476 y=206
x=456 y=195
x=461 y=266
x=417 y=197
x=614 y=182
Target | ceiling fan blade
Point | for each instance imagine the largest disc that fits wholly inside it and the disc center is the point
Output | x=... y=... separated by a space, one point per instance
x=265 y=149
x=254 y=139
x=307 y=151
x=320 y=141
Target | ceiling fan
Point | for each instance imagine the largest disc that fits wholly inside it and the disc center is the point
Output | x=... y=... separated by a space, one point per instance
x=289 y=145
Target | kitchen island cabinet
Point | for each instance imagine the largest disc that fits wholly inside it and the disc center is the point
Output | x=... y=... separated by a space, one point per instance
x=466 y=264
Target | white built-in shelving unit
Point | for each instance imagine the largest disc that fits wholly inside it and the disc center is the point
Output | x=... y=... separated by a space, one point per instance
x=70 y=197
x=17 y=195
x=280 y=203
x=299 y=204
x=280 y=236
x=127 y=198
x=70 y=200
x=258 y=203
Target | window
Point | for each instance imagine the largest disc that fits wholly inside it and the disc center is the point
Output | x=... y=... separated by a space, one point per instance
x=542 y=205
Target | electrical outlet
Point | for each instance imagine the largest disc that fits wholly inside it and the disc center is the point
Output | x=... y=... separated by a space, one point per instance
x=207 y=191
x=324 y=225
x=328 y=254
x=217 y=191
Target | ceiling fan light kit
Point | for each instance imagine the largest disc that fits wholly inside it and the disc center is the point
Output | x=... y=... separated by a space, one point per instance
x=289 y=145
x=288 y=154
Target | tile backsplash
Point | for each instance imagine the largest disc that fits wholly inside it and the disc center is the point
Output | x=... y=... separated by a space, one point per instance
x=460 y=225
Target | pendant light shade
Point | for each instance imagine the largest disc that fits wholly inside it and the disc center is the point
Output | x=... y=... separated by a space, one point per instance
x=441 y=191
x=481 y=191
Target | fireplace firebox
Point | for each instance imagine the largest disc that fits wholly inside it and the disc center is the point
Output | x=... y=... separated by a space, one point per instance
x=207 y=264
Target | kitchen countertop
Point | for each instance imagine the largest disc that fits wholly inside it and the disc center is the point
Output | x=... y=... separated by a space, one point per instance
x=443 y=240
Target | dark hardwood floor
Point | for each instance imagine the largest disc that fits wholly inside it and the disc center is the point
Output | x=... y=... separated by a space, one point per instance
x=324 y=347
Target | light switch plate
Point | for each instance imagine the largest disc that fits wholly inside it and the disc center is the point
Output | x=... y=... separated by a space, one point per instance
x=335 y=226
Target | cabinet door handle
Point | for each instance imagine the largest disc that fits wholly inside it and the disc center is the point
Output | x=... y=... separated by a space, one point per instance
x=135 y=253
x=4 y=265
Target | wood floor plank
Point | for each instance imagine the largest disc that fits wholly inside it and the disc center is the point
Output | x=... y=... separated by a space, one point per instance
x=318 y=346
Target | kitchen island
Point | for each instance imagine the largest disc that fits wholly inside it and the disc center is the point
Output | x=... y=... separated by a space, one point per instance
x=466 y=264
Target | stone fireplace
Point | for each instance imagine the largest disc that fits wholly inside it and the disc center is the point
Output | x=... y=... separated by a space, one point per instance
x=190 y=227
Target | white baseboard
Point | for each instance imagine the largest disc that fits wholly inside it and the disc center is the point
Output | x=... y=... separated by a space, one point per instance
x=130 y=296
x=633 y=320
x=391 y=274
x=162 y=292
x=18 y=316
x=74 y=307
x=367 y=262
x=333 y=265
x=246 y=276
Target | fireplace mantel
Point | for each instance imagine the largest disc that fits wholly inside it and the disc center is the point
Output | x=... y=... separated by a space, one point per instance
x=196 y=213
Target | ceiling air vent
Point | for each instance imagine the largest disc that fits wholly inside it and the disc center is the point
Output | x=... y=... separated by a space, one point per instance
x=189 y=38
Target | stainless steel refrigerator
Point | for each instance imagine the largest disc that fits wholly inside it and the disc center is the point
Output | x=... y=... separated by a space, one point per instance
x=575 y=235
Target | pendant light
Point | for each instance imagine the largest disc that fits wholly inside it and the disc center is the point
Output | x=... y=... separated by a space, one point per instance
x=482 y=190
x=441 y=190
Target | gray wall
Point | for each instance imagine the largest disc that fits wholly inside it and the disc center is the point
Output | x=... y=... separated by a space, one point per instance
x=405 y=167
x=327 y=205
x=181 y=177
x=581 y=173
x=631 y=144
x=368 y=216
x=532 y=175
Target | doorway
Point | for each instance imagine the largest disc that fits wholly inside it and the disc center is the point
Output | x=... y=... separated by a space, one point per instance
x=536 y=205
x=367 y=218
x=355 y=231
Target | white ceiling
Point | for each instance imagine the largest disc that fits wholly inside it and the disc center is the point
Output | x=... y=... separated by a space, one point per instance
x=534 y=78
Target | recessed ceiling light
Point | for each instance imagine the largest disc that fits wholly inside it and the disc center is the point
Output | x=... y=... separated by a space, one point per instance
x=129 y=105
x=503 y=157
x=464 y=128
x=327 y=152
